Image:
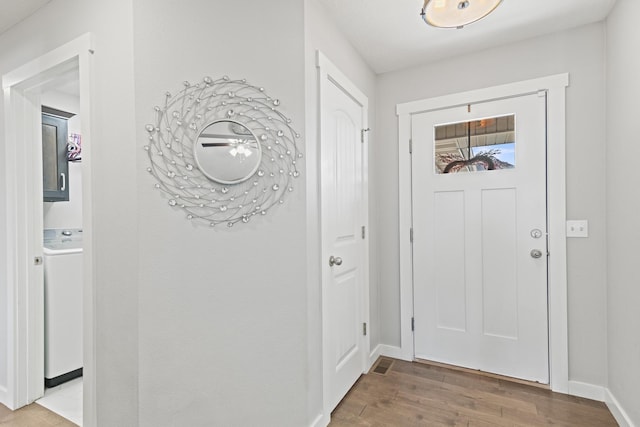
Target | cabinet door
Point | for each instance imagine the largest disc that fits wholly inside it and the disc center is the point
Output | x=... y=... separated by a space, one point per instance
x=55 y=169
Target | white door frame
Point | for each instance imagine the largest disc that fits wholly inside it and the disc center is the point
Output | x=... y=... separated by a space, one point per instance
x=23 y=166
x=327 y=72
x=556 y=210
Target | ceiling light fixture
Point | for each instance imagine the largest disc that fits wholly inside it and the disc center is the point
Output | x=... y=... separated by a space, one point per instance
x=456 y=13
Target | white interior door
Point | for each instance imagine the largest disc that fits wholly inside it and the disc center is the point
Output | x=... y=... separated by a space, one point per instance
x=343 y=246
x=480 y=249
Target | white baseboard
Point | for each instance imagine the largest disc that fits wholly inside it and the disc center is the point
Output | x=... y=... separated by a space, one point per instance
x=618 y=413
x=4 y=396
x=373 y=356
x=319 y=421
x=384 y=350
x=602 y=394
x=390 y=351
x=586 y=390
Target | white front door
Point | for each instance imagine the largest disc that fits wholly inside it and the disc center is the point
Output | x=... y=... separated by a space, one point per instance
x=479 y=227
x=343 y=195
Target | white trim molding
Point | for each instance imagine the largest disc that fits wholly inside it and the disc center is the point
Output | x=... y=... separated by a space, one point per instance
x=617 y=411
x=386 y=351
x=319 y=421
x=23 y=164
x=556 y=210
x=586 y=390
x=3 y=394
x=601 y=394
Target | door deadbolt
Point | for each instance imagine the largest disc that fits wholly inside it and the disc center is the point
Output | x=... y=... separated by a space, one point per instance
x=536 y=234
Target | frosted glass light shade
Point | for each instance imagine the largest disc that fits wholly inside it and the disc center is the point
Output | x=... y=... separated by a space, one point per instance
x=456 y=13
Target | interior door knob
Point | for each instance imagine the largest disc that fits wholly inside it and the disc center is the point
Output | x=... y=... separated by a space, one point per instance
x=334 y=261
x=536 y=253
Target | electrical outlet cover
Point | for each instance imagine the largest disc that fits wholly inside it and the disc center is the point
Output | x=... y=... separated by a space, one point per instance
x=578 y=228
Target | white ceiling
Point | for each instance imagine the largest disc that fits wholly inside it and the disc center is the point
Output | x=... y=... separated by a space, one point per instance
x=391 y=35
x=14 y=11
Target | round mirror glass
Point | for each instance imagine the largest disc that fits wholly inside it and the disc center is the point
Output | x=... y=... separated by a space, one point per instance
x=227 y=152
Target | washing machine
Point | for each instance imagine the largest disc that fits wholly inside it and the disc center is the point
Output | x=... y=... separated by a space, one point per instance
x=63 y=283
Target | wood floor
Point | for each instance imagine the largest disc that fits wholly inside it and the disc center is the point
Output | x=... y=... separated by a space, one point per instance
x=413 y=394
x=33 y=415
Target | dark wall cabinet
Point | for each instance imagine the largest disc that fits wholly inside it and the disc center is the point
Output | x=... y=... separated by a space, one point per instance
x=55 y=168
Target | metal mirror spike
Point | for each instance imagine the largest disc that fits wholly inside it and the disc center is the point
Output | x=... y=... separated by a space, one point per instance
x=222 y=152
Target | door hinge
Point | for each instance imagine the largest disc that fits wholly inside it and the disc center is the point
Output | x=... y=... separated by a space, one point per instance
x=364 y=328
x=363 y=233
x=413 y=324
x=410 y=146
x=362 y=131
x=411 y=234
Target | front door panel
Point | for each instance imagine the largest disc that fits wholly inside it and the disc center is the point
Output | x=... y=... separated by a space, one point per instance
x=479 y=191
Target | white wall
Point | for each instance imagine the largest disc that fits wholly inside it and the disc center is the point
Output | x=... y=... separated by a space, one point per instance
x=67 y=214
x=223 y=312
x=579 y=52
x=623 y=205
x=322 y=34
x=114 y=205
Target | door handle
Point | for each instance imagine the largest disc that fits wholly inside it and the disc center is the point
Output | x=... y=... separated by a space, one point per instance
x=64 y=181
x=334 y=261
x=536 y=253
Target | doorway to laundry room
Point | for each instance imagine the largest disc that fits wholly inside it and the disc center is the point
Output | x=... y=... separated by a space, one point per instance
x=62 y=145
x=50 y=293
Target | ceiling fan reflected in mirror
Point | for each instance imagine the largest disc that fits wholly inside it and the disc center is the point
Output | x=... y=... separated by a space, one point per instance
x=456 y=13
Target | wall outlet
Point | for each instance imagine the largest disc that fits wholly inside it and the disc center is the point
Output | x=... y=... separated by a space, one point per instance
x=578 y=228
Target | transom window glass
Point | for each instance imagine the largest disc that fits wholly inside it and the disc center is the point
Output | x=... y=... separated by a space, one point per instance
x=478 y=145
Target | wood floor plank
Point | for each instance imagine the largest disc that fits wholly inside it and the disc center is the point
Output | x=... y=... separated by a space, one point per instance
x=452 y=411
x=452 y=399
x=414 y=394
x=468 y=390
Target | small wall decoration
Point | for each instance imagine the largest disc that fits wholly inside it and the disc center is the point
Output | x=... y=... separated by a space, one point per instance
x=222 y=152
x=74 y=147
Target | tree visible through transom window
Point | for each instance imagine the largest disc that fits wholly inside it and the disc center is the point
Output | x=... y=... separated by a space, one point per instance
x=478 y=145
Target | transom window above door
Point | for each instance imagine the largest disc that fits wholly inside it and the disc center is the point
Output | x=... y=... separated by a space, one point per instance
x=477 y=145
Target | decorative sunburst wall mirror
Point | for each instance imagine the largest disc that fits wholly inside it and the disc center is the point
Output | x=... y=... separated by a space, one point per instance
x=222 y=152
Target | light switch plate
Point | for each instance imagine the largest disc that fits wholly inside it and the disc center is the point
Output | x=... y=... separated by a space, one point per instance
x=578 y=228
